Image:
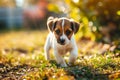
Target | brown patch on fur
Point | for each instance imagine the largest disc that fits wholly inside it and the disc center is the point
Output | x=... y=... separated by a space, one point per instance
x=66 y=49
x=58 y=27
x=67 y=26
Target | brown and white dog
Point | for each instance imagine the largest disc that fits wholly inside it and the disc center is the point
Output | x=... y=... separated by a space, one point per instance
x=61 y=39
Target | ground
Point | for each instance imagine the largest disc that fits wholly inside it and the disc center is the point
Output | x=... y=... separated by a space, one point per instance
x=22 y=57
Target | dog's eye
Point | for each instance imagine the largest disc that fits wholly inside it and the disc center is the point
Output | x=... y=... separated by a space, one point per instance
x=57 y=32
x=68 y=32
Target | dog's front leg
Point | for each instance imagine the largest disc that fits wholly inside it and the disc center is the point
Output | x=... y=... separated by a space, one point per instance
x=47 y=48
x=47 y=54
x=60 y=59
x=73 y=55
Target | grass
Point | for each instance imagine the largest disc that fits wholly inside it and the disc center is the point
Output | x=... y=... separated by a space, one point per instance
x=22 y=57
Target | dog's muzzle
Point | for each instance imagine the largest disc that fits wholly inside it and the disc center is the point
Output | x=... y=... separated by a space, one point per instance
x=61 y=41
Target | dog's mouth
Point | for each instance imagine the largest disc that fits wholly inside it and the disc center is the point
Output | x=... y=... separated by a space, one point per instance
x=62 y=43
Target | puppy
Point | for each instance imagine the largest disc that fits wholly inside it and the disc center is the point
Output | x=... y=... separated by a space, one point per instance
x=60 y=38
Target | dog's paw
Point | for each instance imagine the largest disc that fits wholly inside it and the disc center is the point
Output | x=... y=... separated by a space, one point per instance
x=71 y=64
x=63 y=65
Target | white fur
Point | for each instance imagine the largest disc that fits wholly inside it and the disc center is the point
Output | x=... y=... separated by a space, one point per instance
x=63 y=23
x=60 y=50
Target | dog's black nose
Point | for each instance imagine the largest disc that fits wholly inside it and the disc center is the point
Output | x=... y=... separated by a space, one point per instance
x=62 y=41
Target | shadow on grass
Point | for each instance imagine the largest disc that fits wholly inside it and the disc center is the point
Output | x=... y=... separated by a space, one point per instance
x=80 y=72
x=85 y=73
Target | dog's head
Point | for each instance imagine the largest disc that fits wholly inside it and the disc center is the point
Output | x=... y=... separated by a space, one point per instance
x=62 y=28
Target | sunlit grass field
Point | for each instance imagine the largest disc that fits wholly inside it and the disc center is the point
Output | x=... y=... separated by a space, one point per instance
x=22 y=58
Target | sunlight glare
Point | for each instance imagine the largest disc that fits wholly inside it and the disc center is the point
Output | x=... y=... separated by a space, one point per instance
x=118 y=12
x=76 y=1
x=19 y=3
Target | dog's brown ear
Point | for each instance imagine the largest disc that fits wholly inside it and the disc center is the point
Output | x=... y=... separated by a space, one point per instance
x=51 y=23
x=75 y=26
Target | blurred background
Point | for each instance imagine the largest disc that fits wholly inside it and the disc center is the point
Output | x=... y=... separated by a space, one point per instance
x=23 y=32
x=99 y=19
